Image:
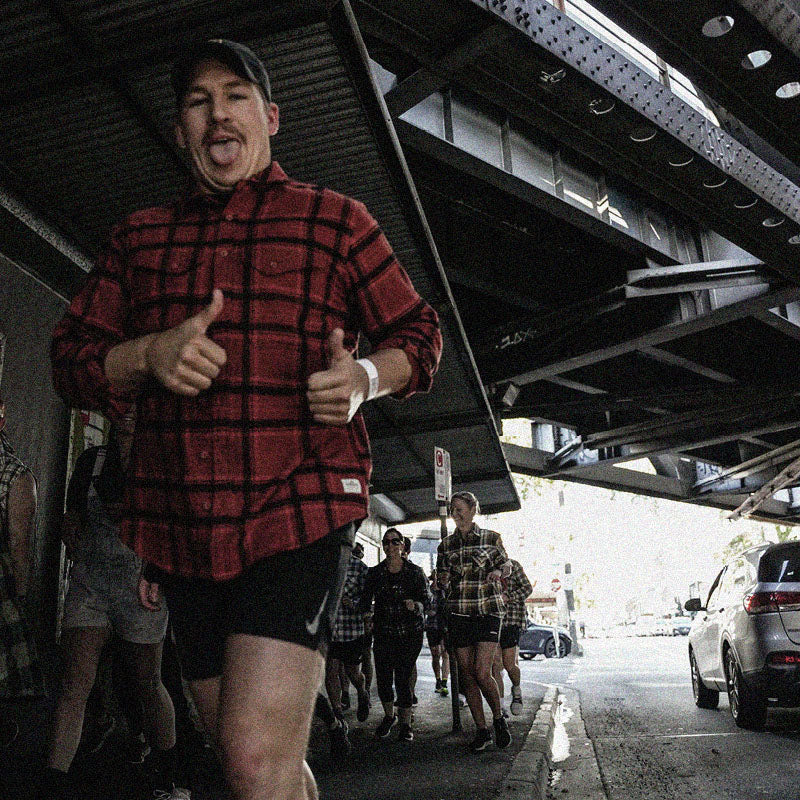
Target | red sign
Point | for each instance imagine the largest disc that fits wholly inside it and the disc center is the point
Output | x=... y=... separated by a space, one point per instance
x=555 y=584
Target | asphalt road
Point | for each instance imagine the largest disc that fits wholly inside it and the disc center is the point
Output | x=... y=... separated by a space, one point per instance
x=652 y=743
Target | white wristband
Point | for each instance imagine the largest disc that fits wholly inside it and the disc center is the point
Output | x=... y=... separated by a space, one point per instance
x=372 y=374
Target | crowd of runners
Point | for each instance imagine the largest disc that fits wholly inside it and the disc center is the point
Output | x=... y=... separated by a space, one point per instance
x=472 y=604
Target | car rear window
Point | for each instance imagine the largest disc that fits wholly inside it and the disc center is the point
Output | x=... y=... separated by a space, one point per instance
x=779 y=565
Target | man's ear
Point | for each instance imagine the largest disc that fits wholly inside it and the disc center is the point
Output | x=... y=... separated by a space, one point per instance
x=273 y=119
x=179 y=137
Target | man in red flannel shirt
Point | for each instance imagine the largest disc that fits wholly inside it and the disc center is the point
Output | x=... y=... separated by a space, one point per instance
x=230 y=319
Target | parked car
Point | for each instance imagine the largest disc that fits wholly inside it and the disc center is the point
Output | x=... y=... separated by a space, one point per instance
x=681 y=626
x=536 y=639
x=745 y=639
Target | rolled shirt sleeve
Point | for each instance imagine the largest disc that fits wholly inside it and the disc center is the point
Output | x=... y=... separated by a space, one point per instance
x=392 y=314
x=92 y=325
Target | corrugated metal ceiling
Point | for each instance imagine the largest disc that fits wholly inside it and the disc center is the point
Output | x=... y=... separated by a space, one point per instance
x=85 y=138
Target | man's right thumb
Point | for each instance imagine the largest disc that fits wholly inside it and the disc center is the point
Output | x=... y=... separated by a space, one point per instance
x=211 y=311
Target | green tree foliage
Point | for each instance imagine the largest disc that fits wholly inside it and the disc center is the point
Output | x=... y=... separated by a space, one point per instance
x=743 y=541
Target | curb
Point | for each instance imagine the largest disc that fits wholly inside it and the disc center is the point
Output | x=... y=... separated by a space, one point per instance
x=530 y=772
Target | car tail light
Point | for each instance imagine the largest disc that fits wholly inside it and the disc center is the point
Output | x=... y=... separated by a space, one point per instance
x=784 y=658
x=764 y=602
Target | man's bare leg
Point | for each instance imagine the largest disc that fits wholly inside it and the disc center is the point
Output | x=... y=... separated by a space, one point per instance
x=265 y=719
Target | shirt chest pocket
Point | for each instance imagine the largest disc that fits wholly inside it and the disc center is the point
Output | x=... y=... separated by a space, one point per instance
x=167 y=286
x=482 y=560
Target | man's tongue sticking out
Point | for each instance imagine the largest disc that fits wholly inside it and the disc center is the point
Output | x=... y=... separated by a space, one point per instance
x=224 y=152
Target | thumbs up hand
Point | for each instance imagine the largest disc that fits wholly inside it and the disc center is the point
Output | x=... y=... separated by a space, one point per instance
x=183 y=358
x=335 y=394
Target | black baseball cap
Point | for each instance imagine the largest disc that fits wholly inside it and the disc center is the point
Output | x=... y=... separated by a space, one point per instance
x=238 y=58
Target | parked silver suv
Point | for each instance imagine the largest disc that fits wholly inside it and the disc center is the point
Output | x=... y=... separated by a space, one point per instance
x=746 y=639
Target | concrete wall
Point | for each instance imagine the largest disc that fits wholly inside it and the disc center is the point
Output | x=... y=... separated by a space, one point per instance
x=37 y=423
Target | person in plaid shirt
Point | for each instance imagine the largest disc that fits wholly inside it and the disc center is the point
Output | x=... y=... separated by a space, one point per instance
x=516 y=590
x=230 y=319
x=347 y=642
x=470 y=564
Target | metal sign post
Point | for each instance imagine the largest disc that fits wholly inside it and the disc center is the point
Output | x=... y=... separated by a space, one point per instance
x=444 y=488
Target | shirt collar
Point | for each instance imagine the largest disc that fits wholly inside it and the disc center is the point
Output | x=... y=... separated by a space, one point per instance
x=472 y=534
x=269 y=176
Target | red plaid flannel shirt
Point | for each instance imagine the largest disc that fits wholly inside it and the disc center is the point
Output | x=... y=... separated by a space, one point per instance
x=241 y=472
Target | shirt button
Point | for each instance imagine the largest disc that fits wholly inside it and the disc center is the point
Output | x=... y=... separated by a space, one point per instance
x=273 y=264
x=228 y=217
x=223 y=252
x=204 y=455
x=207 y=505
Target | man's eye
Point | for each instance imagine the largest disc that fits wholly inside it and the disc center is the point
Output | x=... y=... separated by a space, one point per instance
x=195 y=101
x=236 y=96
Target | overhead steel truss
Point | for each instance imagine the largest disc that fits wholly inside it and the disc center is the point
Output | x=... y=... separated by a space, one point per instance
x=754 y=52
x=586 y=93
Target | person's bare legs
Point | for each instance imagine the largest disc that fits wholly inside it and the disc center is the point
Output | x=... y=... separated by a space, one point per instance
x=497 y=673
x=159 y=713
x=333 y=684
x=484 y=657
x=366 y=668
x=80 y=652
x=437 y=670
x=511 y=664
x=445 y=663
x=266 y=702
x=469 y=684
x=205 y=694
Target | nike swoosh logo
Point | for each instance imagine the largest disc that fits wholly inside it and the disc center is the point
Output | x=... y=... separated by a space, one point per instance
x=313 y=626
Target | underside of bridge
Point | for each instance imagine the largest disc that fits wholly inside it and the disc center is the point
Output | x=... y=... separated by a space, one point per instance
x=600 y=199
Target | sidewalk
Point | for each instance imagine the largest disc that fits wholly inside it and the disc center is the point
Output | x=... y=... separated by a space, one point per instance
x=437 y=765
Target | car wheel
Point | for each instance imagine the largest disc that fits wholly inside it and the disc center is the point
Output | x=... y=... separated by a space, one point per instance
x=550 y=648
x=703 y=696
x=747 y=708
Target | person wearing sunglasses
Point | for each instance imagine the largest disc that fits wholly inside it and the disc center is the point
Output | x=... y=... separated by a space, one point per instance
x=400 y=592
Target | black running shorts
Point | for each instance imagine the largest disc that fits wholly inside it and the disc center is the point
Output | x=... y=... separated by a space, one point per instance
x=292 y=597
x=509 y=636
x=465 y=631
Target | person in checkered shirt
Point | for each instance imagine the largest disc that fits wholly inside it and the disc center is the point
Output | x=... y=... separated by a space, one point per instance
x=347 y=642
x=231 y=320
x=516 y=590
x=471 y=563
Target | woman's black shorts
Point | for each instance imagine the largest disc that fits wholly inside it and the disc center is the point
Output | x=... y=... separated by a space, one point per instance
x=465 y=631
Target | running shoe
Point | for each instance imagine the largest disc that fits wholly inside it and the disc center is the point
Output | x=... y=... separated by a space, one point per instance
x=414 y=700
x=345 y=700
x=387 y=723
x=505 y=713
x=404 y=733
x=444 y=691
x=516 y=700
x=483 y=738
x=363 y=706
x=176 y=793
x=340 y=742
x=502 y=736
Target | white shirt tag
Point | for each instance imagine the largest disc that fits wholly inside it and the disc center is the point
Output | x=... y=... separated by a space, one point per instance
x=351 y=485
